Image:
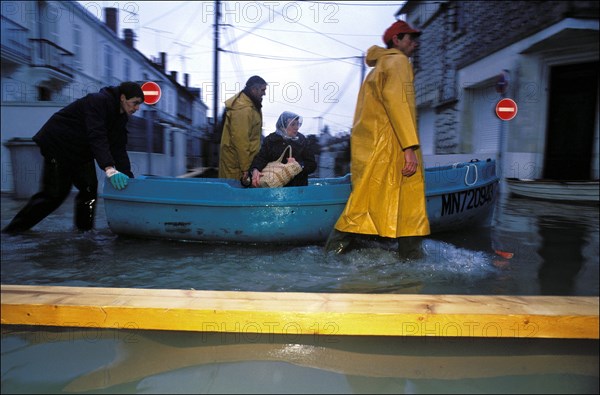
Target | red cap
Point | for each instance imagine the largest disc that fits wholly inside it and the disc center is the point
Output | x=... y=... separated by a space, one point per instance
x=397 y=28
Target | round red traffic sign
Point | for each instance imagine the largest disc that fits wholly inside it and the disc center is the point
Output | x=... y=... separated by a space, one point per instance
x=151 y=92
x=506 y=109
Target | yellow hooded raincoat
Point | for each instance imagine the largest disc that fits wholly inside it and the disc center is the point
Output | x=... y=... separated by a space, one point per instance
x=383 y=202
x=240 y=141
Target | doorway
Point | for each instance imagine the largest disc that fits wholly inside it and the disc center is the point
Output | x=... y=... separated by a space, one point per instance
x=571 y=117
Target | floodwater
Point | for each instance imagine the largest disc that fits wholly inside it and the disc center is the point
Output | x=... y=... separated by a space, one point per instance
x=554 y=249
x=532 y=248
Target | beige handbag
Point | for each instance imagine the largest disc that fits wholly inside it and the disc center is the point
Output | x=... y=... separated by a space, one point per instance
x=276 y=174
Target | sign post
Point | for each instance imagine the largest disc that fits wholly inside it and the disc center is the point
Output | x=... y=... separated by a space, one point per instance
x=504 y=111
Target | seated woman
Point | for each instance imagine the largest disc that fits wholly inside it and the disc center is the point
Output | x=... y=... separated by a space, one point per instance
x=272 y=147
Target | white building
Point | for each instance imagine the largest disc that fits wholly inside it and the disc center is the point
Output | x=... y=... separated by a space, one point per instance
x=54 y=52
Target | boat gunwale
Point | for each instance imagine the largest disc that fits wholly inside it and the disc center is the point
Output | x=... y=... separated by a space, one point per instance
x=557 y=191
x=268 y=201
x=533 y=181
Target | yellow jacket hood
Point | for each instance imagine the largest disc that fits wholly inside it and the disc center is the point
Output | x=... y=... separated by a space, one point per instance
x=376 y=52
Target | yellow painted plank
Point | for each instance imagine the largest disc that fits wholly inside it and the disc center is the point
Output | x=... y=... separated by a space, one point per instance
x=302 y=313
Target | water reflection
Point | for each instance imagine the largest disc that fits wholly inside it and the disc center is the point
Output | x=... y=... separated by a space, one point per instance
x=561 y=250
x=556 y=244
x=129 y=361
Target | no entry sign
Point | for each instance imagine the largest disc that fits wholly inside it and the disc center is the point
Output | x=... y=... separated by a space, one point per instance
x=151 y=92
x=506 y=109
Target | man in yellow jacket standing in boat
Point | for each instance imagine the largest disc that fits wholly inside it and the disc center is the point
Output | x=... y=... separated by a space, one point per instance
x=388 y=182
x=242 y=129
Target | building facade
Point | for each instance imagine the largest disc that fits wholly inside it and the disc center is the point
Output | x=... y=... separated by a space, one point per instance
x=541 y=54
x=54 y=52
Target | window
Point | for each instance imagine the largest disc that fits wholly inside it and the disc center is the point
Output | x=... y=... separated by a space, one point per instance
x=51 y=14
x=77 y=47
x=108 y=62
x=126 y=70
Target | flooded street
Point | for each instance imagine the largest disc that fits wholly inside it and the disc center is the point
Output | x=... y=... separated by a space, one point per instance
x=532 y=248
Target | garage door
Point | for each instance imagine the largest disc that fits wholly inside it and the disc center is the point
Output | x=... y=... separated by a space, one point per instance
x=486 y=125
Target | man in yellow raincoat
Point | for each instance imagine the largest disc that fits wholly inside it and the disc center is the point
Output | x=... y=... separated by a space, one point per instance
x=242 y=129
x=388 y=183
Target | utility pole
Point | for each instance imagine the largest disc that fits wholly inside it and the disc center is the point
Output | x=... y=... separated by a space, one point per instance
x=216 y=65
x=213 y=159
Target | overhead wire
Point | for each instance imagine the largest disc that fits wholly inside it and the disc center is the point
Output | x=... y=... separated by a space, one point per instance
x=237 y=64
x=346 y=82
x=291 y=46
x=305 y=32
x=341 y=94
x=163 y=15
x=192 y=18
x=285 y=58
x=354 y=3
x=256 y=27
x=251 y=30
x=231 y=46
x=316 y=31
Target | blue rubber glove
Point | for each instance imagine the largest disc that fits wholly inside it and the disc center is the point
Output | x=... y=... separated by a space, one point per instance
x=117 y=179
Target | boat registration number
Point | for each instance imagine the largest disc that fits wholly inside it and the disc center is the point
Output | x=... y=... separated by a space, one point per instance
x=457 y=202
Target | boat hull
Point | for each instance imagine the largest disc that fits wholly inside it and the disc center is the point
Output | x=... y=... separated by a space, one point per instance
x=220 y=210
x=563 y=191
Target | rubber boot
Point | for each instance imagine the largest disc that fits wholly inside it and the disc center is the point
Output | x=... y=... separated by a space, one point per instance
x=410 y=248
x=84 y=214
x=338 y=242
x=85 y=202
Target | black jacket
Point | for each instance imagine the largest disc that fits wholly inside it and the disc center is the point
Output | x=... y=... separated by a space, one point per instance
x=271 y=149
x=91 y=127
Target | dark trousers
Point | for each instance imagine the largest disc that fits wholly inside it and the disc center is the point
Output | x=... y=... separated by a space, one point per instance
x=58 y=179
x=410 y=247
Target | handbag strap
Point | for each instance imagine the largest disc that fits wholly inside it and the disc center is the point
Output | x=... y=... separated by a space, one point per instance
x=283 y=153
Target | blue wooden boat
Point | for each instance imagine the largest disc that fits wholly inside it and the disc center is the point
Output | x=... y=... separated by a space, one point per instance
x=221 y=210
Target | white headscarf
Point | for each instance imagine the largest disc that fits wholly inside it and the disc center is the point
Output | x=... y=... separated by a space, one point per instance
x=283 y=122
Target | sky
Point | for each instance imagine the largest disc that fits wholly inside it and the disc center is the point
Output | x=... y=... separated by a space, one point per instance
x=309 y=52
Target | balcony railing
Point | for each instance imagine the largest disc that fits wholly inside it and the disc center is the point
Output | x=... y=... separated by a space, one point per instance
x=14 y=42
x=48 y=54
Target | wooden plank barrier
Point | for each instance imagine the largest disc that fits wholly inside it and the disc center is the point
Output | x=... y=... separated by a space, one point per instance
x=303 y=313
